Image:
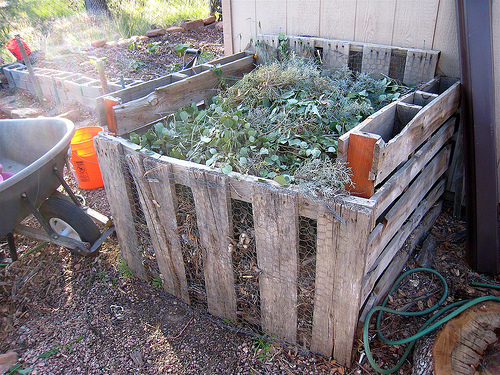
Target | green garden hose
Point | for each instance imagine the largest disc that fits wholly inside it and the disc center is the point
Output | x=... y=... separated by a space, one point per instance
x=428 y=327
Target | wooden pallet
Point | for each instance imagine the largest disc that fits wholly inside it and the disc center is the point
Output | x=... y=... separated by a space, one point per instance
x=357 y=238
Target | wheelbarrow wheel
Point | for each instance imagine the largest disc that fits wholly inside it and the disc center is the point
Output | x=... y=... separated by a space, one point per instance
x=67 y=219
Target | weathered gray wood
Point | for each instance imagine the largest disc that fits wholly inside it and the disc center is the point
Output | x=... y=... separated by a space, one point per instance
x=341 y=248
x=404 y=113
x=276 y=224
x=392 y=272
x=385 y=258
x=118 y=190
x=400 y=211
x=213 y=213
x=159 y=211
x=391 y=189
x=420 y=66
x=376 y=60
x=388 y=156
x=170 y=98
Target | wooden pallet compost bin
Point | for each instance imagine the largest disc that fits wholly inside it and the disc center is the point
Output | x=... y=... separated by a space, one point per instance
x=399 y=155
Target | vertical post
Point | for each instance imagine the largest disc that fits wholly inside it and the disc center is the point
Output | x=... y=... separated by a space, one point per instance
x=31 y=72
x=478 y=109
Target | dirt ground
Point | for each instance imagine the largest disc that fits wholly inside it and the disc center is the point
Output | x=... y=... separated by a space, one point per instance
x=64 y=314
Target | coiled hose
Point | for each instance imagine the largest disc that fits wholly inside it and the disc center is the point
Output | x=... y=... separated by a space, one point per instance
x=427 y=327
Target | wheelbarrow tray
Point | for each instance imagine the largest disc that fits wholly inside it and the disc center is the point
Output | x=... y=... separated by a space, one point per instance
x=30 y=148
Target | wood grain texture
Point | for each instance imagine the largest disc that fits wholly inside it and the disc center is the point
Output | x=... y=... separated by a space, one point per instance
x=385 y=258
x=297 y=12
x=376 y=60
x=359 y=159
x=118 y=191
x=276 y=225
x=170 y=98
x=446 y=39
x=214 y=219
x=271 y=16
x=406 y=22
x=405 y=205
x=336 y=19
x=227 y=22
x=460 y=344
x=339 y=269
x=161 y=219
x=391 y=190
x=388 y=156
x=374 y=21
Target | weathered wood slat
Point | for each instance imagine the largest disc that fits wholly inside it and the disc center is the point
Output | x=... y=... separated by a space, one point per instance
x=420 y=66
x=359 y=159
x=168 y=99
x=163 y=237
x=387 y=279
x=376 y=60
x=385 y=258
x=118 y=190
x=241 y=186
x=162 y=184
x=389 y=191
x=276 y=237
x=213 y=213
x=388 y=156
x=340 y=252
x=400 y=211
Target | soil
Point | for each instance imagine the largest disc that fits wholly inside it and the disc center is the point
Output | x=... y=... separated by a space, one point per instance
x=64 y=314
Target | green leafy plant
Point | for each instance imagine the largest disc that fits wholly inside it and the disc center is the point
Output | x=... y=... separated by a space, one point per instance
x=157 y=282
x=124 y=269
x=262 y=346
x=153 y=47
x=273 y=121
x=19 y=369
x=181 y=48
x=136 y=65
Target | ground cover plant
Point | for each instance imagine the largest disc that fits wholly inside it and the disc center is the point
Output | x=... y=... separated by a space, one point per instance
x=281 y=121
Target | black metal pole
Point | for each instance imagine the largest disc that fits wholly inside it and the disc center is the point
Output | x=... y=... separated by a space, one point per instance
x=478 y=110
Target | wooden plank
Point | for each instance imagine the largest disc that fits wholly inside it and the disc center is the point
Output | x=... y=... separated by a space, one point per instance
x=227 y=22
x=376 y=60
x=335 y=53
x=400 y=211
x=411 y=30
x=446 y=39
x=420 y=66
x=213 y=213
x=390 y=190
x=270 y=16
x=337 y=19
x=381 y=121
x=392 y=272
x=118 y=191
x=159 y=211
x=374 y=23
x=244 y=24
x=359 y=159
x=405 y=112
x=495 y=11
x=275 y=214
x=169 y=99
x=388 y=156
x=108 y=104
x=297 y=12
x=341 y=249
x=385 y=258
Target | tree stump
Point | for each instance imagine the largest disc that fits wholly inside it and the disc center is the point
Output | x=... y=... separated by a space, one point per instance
x=460 y=345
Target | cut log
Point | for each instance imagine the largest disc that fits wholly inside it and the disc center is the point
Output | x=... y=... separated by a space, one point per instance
x=463 y=340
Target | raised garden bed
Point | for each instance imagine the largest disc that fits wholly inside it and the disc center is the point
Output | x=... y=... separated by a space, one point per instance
x=266 y=256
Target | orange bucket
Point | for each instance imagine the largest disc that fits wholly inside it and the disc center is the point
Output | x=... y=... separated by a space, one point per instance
x=84 y=158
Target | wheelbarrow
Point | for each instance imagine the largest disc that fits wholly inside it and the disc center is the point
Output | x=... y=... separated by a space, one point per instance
x=33 y=153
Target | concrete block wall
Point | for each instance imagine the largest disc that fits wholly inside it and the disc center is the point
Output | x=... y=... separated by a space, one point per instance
x=61 y=86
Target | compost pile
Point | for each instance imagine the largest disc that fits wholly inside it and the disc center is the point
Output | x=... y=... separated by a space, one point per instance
x=280 y=121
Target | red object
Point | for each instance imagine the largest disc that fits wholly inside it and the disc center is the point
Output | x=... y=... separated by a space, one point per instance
x=14 y=48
